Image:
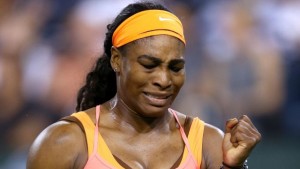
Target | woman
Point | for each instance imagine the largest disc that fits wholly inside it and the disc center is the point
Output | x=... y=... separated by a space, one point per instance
x=124 y=118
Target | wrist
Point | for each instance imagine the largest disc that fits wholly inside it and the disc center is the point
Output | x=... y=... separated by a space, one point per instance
x=226 y=166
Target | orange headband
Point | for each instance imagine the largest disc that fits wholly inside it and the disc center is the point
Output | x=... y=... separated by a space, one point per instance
x=147 y=23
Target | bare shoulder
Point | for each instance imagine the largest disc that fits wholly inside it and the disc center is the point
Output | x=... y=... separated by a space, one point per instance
x=212 y=146
x=58 y=146
x=212 y=133
x=181 y=117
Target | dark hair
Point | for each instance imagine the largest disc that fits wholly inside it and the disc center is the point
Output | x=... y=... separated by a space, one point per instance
x=100 y=83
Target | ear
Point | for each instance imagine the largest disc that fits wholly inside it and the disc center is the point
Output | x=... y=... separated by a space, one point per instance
x=115 y=59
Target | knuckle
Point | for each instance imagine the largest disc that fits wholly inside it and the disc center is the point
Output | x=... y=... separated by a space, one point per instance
x=259 y=137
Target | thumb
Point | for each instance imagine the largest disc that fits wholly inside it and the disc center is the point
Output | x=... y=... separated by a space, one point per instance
x=230 y=124
x=229 y=141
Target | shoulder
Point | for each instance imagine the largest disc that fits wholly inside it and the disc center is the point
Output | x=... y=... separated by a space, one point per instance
x=58 y=146
x=212 y=133
x=60 y=133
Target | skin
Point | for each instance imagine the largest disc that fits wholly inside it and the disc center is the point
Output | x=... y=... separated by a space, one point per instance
x=150 y=71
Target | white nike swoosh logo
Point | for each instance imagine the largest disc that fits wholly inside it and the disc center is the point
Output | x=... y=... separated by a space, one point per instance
x=164 y=19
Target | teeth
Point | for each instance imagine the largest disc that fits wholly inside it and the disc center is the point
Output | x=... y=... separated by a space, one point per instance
x=156 y=97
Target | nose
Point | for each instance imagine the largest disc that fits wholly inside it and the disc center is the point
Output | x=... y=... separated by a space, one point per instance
x=162 y=79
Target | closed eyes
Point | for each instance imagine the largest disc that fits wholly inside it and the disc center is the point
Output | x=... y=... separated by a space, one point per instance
x=150 y=62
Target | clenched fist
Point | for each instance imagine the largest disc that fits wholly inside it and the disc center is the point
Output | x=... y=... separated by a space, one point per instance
x=240 y=138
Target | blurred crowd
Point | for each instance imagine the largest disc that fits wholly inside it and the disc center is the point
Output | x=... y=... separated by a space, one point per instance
x=242 y=57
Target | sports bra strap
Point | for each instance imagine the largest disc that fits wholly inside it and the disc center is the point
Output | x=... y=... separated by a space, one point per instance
x=181 y=130
x=96 y=129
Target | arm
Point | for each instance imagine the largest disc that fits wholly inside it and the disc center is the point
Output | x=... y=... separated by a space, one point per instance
x=61 y=145
x=212 y=147
x=233 y=148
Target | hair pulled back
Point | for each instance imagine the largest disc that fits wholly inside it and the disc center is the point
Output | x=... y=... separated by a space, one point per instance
x=100 y=85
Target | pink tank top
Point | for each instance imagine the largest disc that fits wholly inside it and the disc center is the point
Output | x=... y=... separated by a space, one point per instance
x=96 y=162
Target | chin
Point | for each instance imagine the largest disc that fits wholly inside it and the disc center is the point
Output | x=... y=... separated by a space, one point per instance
x=154 y=111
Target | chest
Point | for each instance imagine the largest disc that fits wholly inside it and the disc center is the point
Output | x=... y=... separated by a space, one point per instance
x=154 y=150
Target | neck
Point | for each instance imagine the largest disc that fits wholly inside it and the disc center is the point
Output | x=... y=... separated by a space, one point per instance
x=126 y=117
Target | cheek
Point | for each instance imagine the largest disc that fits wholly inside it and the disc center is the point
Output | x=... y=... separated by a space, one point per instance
x=178 y=80
x=133 y=77
x=137 y=78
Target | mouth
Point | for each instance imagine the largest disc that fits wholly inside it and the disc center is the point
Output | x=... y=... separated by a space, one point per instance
x=157 y=99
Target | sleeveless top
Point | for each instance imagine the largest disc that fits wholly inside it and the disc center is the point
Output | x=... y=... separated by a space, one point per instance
x=101 y=157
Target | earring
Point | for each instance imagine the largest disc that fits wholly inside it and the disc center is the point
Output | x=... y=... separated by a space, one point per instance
x=115 y=69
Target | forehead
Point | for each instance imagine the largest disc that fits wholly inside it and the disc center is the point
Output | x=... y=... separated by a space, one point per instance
x=160 y=46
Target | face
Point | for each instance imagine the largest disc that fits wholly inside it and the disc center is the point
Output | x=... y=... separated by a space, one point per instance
x=151 y=74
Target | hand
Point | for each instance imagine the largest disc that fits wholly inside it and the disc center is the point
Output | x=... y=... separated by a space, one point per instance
x=240 y=138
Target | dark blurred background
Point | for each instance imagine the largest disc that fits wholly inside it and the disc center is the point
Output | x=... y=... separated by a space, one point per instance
x=243 y=57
